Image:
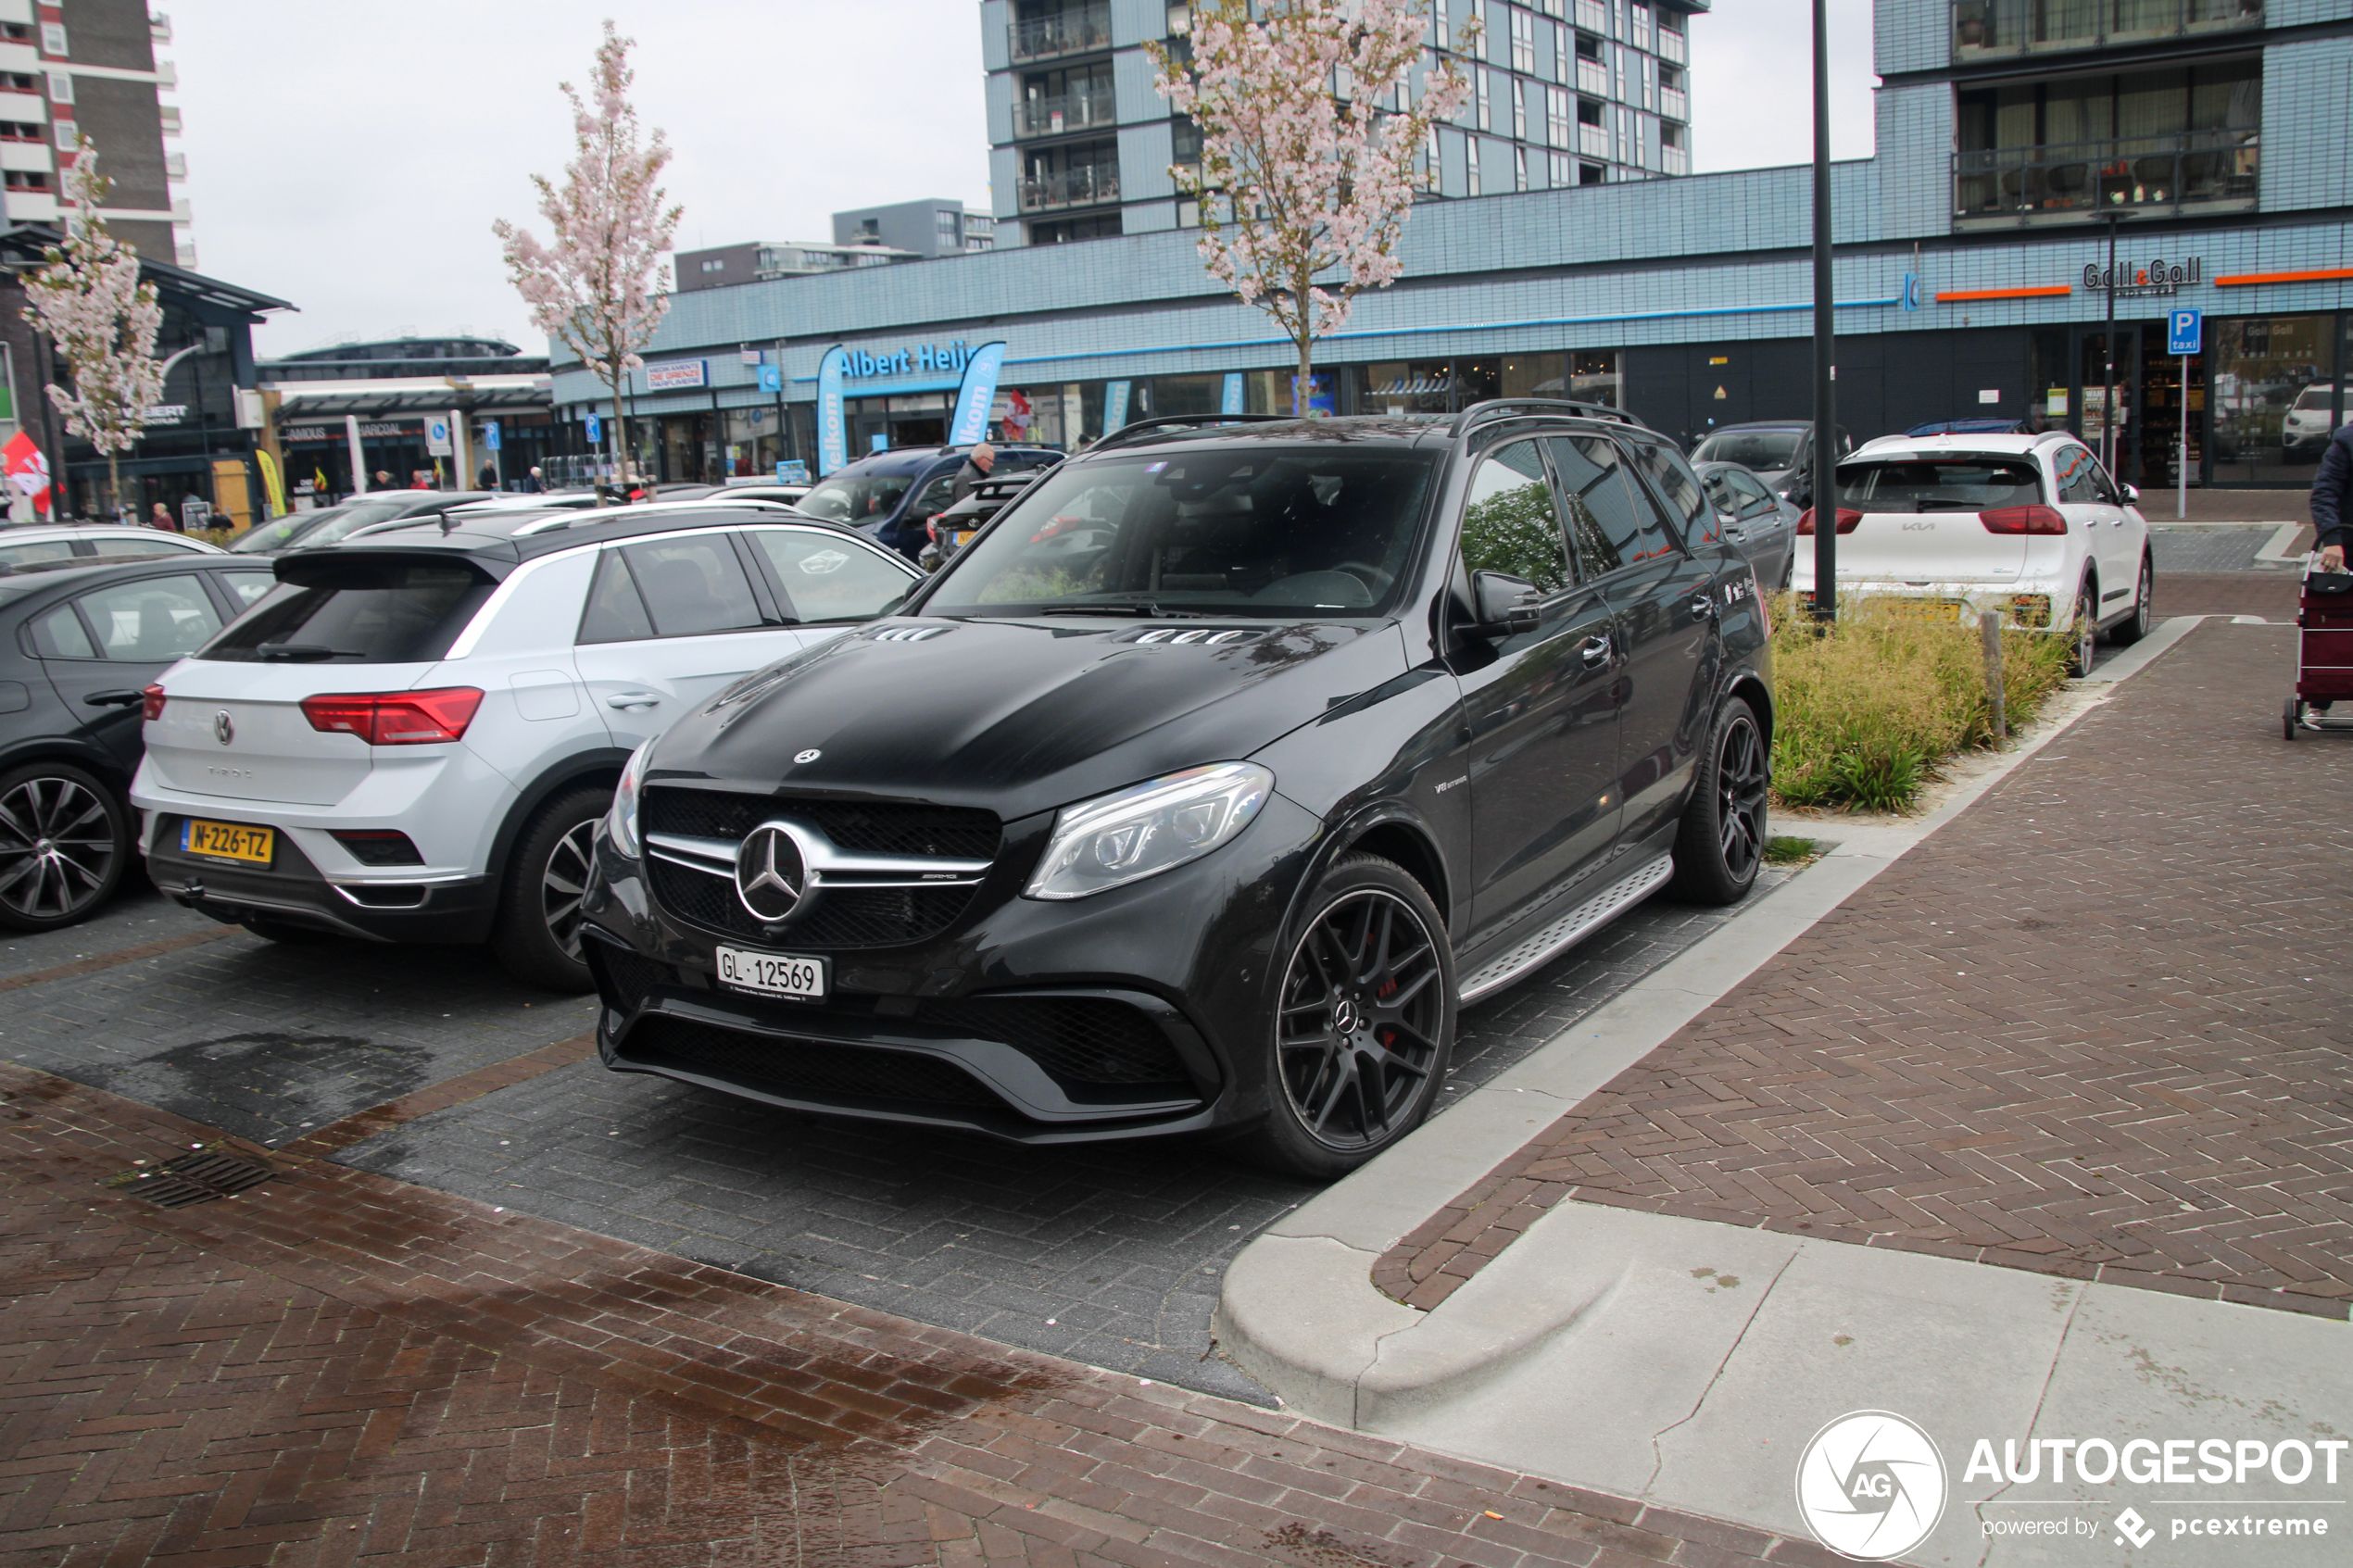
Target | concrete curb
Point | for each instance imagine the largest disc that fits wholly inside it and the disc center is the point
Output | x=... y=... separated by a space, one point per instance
x=1299 y=1312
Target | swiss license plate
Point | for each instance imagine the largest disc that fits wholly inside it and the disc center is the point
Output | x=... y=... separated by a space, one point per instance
x=1925 y=609
x=227 y=841
x=772 y=974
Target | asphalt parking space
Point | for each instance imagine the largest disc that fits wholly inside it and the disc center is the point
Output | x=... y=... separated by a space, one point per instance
x=1112 y=1255
x=2192 y=548
x=138 y=914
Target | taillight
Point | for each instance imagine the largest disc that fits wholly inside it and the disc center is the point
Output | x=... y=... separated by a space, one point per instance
x=2023 y=519
x=394 y=718
x=1847 y=521
x=150 y=703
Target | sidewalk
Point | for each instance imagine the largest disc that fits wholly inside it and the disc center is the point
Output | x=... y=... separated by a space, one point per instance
x=2038 y=1129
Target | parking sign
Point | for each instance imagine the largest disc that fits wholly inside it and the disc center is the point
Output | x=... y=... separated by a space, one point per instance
x=438 y=438
x=2184 y=332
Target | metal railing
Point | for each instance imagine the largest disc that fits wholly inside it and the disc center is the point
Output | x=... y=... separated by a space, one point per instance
x=1063 y=32
x=1084 y=186
x=1674 y=102
x=1592 y=78
x=1070 y=111
x=1672 y=46
x=1674 y=160
x=2209 y=169
x=1985 y=29
x=1593 y=140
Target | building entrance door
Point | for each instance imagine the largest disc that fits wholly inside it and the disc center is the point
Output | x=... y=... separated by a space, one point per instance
x=2097 y=416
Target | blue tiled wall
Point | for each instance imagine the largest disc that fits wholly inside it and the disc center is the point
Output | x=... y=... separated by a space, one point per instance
x=1915 y=126
x=2307 y=124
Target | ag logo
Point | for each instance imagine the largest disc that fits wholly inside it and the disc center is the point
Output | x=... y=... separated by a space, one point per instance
x=1871 y=1485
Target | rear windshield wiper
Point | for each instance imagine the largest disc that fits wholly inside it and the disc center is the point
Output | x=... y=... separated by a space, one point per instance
x=302 y=653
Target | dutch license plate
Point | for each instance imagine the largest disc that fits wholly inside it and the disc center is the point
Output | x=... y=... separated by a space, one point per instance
x=964 y=536
x=1925 y=609
x=227 y=841
x=772 y=974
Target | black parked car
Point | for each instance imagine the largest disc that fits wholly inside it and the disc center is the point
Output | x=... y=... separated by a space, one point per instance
x=1200 y=790
x=890 y=495
x=78 y=642
x=950 y=531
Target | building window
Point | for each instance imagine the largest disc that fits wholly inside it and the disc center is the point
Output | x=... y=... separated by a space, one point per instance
x=1556 y=116
x=52 y=40
x=68 y=133
x=1558 y=171
x=1188 y=212
x=1181 y=19
x=1519 y=169
x=1589 y=174
x=1519 y=109
x=715 y=265
x=1430 y=165
x=1593 y=16
x=16 y=32
x=1471 y=146
x=60 y=87
x=2145 y=138
x=1486 y=110
x=19 y=130
x=1552 y=7
x=1641 y=33
x=1523 y=24
x=1441 y=25
x=26 y=179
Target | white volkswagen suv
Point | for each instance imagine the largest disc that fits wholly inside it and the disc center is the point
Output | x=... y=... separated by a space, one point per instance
x=1955 y=526
x=412 y=737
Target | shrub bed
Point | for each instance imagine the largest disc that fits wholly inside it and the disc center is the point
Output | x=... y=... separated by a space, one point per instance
x=1866 y=711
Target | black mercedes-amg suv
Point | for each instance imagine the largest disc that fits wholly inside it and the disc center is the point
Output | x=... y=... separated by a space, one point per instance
x=1200 y=790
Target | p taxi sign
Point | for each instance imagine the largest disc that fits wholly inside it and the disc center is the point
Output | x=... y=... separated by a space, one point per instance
x=2184 y=331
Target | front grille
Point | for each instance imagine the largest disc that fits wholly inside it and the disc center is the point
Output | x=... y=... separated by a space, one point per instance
x=949 y=831
x=623 y=978
x=1075 y=1039
x=852 y=917
x=808 y=1066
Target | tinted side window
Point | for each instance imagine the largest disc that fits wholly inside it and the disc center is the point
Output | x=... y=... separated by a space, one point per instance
x=155 y=546
x=615 y=613
x=150 y=623
x=693 y=586
x=1609 y=516
x=935 y=496
x=249 y=588
x=2077 y=475
x=58 y=634
x=1674 y=480
x=48 y=549
x=830 y=579
x=373 y=612
x=1751 y=495
x=1509 y=522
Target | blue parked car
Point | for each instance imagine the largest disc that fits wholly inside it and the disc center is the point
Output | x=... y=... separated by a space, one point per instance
x=890 y=495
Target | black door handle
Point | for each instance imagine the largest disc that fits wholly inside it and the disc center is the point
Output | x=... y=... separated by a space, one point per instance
x=111 y=700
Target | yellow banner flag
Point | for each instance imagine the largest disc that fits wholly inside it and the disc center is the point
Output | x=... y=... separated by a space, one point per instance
x=276 y=484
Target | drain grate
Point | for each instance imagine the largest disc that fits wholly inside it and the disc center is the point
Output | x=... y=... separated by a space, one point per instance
x=194 y=1178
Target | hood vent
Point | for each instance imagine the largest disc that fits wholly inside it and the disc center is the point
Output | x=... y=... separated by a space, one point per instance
x=908 y=633
x=1192 y=636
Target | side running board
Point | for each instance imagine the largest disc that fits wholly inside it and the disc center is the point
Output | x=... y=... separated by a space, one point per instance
x=1539 y=946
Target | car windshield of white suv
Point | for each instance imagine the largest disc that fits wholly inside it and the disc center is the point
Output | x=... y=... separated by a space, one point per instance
x=1765 y=450
x=1241 y=531
x=1960 y=483
x=856 y=498
x=2314 y=399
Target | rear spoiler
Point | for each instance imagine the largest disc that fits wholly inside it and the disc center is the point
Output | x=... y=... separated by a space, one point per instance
x=338 y=566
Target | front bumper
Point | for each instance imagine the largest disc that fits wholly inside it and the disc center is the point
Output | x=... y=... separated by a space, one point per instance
x=1142 y=1011
x=292 y=890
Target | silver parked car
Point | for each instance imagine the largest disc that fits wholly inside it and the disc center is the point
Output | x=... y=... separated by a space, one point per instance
x=1762 y=523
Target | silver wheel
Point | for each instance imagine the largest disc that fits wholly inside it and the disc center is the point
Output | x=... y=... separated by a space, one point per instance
x=2087 y=631
x=60 y=849
x=563 y=884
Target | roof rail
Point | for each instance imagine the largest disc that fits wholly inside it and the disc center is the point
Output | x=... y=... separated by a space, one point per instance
x=1520 y=408
x=1168 y=422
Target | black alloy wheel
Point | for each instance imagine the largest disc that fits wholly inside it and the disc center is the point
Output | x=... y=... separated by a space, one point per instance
x=2085 y=629
x=1363 y=1021
x=1721 y=843
x=537 y=937
x=2133 y=627
x=65 y=842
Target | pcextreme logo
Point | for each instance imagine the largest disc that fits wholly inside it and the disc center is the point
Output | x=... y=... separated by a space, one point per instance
x=1871 y=1485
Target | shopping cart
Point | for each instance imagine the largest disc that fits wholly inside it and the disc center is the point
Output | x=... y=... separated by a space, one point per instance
x=2324 y=654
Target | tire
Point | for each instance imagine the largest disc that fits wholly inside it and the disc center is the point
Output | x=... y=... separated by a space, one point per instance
x=1721 y=842
x=1362 y=1024
x=2084 y=628
x=2136 y=625
x=65 y=846
x=536 y=937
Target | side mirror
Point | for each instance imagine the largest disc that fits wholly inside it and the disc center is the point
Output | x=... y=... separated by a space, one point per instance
x=1505 y=604
x=2132 y=495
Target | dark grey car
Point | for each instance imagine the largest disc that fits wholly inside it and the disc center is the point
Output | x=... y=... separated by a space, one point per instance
x=1780 y=452
x=1762 y=523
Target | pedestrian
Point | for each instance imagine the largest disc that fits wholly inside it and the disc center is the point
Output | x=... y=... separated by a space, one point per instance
x=488 y=477
x=2333 y=501
x=162 y=518
x=531 y=482
x=977 y=466
x=383 y=478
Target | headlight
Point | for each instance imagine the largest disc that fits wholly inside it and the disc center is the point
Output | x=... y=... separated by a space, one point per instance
x=1147 y=828
x=621 y=822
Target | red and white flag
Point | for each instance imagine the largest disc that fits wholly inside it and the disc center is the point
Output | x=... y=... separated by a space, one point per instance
x=28 y=470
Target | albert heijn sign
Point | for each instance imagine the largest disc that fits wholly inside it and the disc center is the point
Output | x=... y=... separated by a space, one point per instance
x=940 y=358
x=2134 y=280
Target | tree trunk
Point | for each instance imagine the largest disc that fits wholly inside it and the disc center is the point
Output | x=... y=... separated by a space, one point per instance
x=1303 y=390
x=620 y=438
x=113 y=482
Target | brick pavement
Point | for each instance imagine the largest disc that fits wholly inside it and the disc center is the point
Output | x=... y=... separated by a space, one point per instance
x=336 y=1368
x=2270 y=595
x=2091 y=1027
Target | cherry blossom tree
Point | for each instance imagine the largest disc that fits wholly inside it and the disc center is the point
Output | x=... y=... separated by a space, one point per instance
x=103 y=318
x=1309 y=134
x=599 y=288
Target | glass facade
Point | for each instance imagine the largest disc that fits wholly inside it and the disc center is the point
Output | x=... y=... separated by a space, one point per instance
x=2262 y=368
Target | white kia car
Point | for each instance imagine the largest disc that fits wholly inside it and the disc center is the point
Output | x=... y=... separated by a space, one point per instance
x=1955 y=526
x=412 y=737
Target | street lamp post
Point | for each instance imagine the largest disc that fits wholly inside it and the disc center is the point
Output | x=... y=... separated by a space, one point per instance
x=2115 y=216
x=1825 y=481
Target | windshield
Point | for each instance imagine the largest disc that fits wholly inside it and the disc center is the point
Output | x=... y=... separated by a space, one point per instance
x=285 y=531
x=1761 y=449
x=1954 y=484
x=856 y=498
x=2313 y=397
x=1252 y=530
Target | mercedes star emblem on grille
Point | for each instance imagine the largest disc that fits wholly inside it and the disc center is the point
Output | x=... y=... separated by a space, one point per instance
x=771 y=875
x=224 y=729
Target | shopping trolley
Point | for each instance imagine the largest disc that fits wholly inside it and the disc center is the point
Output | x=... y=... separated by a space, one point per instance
x=2324 y=654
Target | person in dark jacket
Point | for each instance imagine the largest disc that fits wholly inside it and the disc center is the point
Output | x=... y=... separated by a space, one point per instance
x=975 y=469
x=2333 y=501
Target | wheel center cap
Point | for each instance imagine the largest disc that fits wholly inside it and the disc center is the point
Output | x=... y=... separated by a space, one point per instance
x=1345 y=1019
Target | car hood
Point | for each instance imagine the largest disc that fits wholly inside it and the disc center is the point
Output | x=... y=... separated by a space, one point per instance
x=1019 y=717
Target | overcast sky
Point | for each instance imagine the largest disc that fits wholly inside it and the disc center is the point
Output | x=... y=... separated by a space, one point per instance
x=350 y=156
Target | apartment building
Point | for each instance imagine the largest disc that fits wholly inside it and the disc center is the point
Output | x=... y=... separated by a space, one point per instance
x=88 y=68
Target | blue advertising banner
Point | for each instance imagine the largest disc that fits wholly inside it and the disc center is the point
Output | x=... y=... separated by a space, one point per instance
x=832 y=440
x=1115 y=405
x=1232 y=402
x=976 y=397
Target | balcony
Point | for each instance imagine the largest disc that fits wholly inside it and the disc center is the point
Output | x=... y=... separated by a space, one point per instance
x=1087 y=185
x=1675 y=103
x=1057 y=116
x=1673 y=46
x=1592 y=79
x=1674 y=160
x=1593 y=16
x=2200 y=171
x=1593 y=140
x=1984 y=29
x=1072 y=32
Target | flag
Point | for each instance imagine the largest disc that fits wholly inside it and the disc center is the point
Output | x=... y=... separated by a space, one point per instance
x=28 y=470
x=271 y=480
x=1017 y=413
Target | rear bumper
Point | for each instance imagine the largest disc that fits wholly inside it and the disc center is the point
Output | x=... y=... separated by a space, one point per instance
x=2038 y=603
x=290 y=889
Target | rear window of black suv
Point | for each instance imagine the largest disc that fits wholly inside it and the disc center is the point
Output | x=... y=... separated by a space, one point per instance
x=359 y=611
x=1246 y=529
